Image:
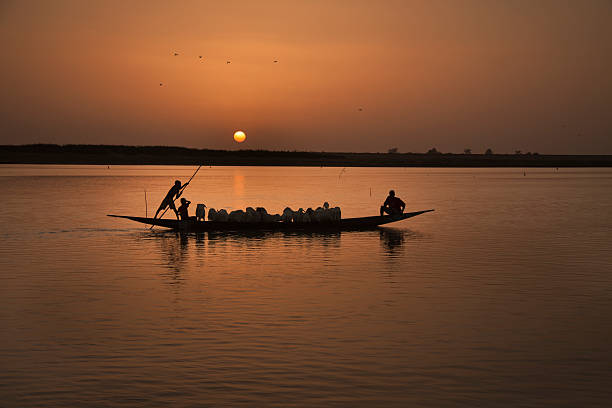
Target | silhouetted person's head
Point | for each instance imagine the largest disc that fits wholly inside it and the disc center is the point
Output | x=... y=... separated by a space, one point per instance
x=392 y=193
x=177 y=183
x=183 y=201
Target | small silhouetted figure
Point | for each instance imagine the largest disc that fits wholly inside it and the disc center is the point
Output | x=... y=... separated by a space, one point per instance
x=168 y=201
x=392 y=205
x=183 y=209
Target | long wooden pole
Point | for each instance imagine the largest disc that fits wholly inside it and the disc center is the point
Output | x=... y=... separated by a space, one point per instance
x=180 y=192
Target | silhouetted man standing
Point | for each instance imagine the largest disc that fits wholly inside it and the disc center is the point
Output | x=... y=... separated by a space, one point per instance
x=393 y=205
x=174 y=193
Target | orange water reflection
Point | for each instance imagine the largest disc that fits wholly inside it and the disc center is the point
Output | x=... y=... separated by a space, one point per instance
x=496 y=296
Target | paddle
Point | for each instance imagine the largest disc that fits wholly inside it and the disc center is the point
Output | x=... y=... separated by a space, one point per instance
x=180 y=192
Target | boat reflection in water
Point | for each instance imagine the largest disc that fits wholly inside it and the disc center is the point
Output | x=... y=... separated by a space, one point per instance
x=391 y=239
x=182 y=251
x=174 y=251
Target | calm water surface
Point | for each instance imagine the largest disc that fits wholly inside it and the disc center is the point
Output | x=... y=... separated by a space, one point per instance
x=501 y=297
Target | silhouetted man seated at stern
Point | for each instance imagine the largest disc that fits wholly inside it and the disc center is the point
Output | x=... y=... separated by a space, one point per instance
x=393 y=205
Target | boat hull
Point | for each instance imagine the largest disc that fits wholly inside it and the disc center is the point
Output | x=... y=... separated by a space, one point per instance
x=345 y=224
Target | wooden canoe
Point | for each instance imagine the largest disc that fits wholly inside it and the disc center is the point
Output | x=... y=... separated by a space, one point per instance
x=359 y=223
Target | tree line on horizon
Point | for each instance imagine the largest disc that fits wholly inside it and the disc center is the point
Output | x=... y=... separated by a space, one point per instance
x=42 y=147
x=433 y=150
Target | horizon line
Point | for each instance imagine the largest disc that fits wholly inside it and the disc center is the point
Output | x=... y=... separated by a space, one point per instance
x=432 y=151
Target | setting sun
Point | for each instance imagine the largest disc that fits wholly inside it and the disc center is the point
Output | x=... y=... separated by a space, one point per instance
x=239 y=136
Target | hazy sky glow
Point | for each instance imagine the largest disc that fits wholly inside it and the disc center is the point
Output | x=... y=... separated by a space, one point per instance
x=455 y=74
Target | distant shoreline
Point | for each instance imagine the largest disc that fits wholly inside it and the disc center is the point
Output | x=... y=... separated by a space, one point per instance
x=169 y=155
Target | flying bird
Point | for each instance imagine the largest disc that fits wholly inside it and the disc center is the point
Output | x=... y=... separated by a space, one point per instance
x=275 y=61
x=227 y=62
x=161 y=84
x=176 y=54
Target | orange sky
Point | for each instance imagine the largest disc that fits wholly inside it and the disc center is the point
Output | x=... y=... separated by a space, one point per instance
x=455 y=74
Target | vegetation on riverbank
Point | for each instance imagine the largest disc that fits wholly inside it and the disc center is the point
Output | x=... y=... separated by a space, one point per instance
x=170 y=155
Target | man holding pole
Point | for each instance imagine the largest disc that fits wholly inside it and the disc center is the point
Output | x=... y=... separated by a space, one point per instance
x=175 y=192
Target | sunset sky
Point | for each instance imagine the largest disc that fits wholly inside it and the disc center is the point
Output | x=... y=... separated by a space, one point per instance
x=351 y=75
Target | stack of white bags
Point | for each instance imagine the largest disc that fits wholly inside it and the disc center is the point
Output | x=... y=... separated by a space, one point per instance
x=321 y=215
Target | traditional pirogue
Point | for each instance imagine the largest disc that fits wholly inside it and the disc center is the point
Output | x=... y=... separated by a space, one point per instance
x=323 y=218
x=273 y=223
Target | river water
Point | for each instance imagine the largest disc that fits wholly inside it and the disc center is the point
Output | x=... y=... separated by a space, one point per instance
x=501 y=297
